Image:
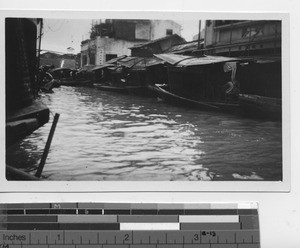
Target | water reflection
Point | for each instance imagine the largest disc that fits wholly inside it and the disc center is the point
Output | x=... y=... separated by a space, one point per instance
x=110 y=136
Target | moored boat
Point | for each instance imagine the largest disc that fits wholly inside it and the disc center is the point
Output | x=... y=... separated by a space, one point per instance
x=261 y=86
x=112 y=76
x=138 y=76
x=267 y=107
x=113 y=88
x=163 y=92
x=69 y=77
x=207 y=82
x=111 y=79
x=62 y=73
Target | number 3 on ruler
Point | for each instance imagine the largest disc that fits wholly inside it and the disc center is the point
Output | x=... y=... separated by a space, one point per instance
x=196 y=236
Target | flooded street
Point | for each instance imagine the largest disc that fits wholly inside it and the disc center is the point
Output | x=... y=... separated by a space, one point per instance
x=110 y=136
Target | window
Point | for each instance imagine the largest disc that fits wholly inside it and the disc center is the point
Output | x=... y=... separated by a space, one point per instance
x=110 y=56
x=169 y=31
x=84 y=60
x=92 y=59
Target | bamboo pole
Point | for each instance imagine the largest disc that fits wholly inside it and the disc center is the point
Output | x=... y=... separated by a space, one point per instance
x=47 y=147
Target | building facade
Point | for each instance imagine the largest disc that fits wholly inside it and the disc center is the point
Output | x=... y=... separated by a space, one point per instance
x=113 y=38
x=243 y=37
x=101 y=49
x=164 y=28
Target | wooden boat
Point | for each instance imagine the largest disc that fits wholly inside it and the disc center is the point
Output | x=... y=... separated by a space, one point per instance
x=84 y=77
x=162 y=92
x=112 y=78
x=137 y=76
x=260 y=88
x=61 y=73
x=106 y=87
x=262 y=106
x=199 y=82
x=123 y=74
x=48 y=87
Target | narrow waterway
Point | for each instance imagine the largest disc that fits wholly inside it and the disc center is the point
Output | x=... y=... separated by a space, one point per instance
x=110 y=136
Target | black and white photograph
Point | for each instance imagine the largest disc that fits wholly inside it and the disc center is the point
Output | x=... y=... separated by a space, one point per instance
x=154 y=99
x=149 y=123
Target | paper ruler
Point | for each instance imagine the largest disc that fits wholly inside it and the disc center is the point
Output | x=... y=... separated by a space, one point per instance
x=124 y=225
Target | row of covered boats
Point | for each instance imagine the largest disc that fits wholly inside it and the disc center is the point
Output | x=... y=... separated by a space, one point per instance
x=248 y=86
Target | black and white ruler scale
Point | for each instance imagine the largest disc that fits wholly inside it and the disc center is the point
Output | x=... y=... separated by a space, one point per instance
x=126 y=225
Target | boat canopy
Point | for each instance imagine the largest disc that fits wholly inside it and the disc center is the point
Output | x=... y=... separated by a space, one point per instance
x=147 y=62
x=98 y=67
x=184 y=48
x=172 y=58
x=185 y=61
x=129 y=61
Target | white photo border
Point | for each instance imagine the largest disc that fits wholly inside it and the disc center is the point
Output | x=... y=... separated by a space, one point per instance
x=155 y=186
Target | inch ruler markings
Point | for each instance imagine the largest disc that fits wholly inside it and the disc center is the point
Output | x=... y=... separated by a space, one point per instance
x=124 y=225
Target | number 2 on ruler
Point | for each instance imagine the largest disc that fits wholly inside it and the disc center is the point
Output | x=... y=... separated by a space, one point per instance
x=126 y=237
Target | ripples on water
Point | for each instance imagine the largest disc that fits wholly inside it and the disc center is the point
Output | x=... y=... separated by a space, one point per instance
x=109 y=136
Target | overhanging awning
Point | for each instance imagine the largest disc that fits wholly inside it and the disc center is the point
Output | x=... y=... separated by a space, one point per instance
x=147 y=62
x=98 y=67
x=185 y=61
x=182 y=48
x=172 y=58
x=129 y=61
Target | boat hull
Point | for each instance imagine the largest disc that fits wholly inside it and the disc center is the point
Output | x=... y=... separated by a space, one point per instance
x=111 y=88
x=266 y=107
x=185 y=102
x=76 y=83
x=139 y=90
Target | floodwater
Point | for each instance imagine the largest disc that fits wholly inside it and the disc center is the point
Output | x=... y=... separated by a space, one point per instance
x=112 y=136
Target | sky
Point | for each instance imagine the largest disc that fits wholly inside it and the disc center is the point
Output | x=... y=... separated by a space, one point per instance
x=59 y=34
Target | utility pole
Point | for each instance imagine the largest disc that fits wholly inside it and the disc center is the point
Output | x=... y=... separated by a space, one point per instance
x=199 y=34
x=37 y=81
